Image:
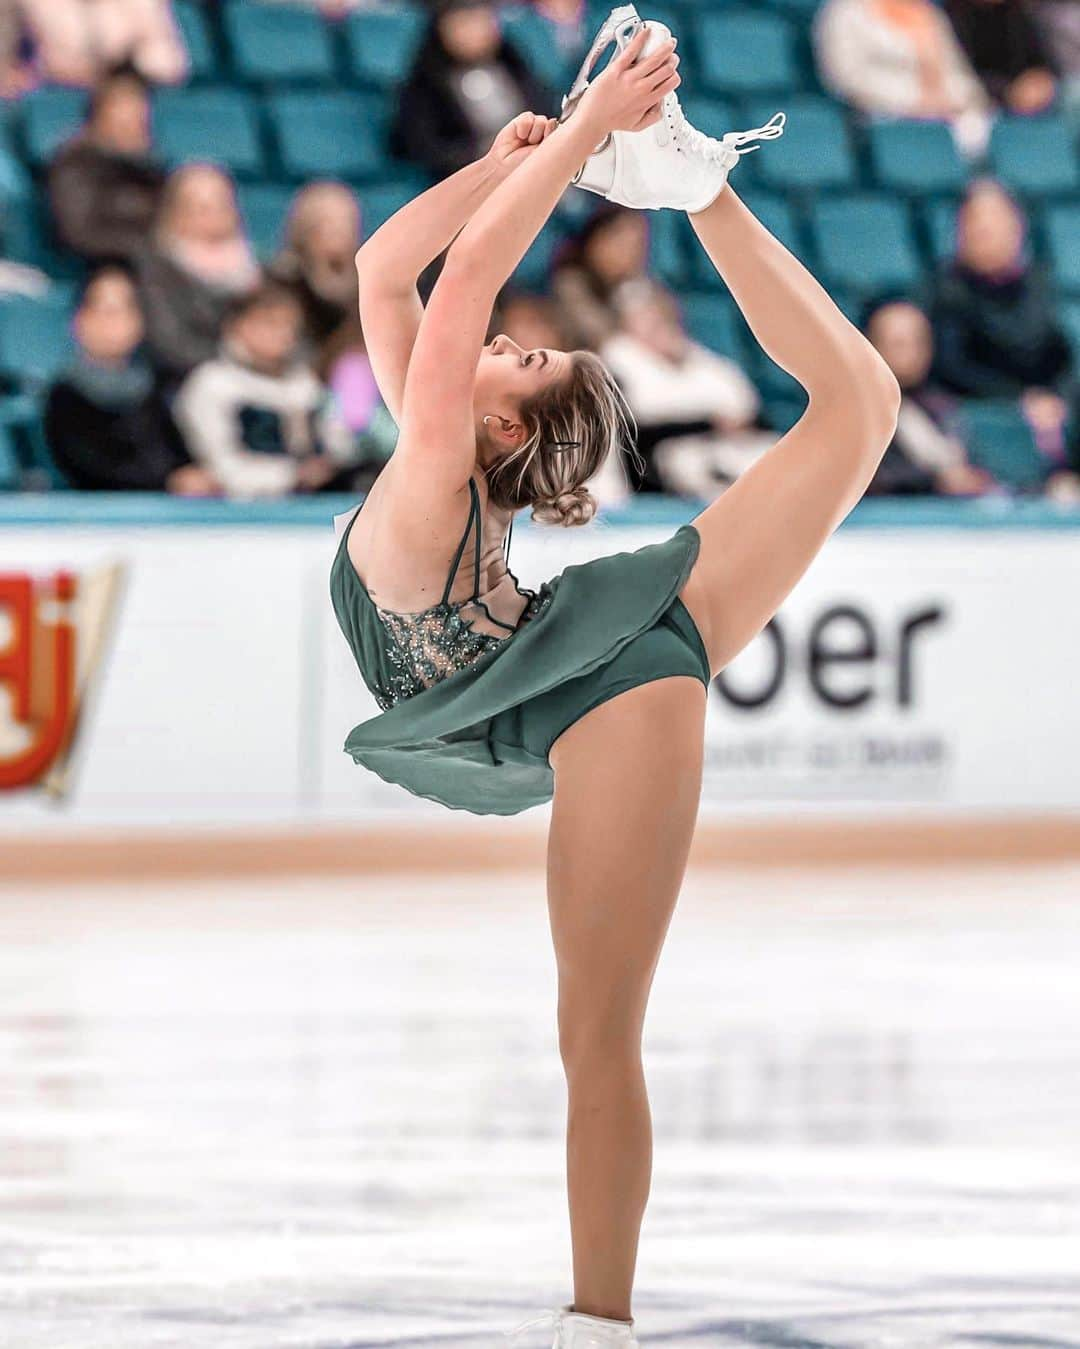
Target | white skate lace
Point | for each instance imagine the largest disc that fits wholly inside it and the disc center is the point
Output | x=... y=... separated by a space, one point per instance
x=719 y=150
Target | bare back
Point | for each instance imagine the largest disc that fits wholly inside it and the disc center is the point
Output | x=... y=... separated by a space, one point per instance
x=402 y=547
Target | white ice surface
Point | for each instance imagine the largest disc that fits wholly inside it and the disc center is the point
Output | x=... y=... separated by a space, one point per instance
x=329 y=1114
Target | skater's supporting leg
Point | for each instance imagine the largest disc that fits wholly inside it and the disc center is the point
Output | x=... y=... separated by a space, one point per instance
x=760 y=536
x=627 y=783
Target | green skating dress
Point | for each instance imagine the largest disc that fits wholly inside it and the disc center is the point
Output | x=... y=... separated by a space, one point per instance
x=468 y=719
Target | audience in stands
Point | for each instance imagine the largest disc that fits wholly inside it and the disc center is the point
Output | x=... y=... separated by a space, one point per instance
x=104 y=183
x=569 y=24
x=466 y=84
x=75 y=41
x=322 y=235
x=532 y=321
x=1059 y=23
x=1005 y=46
x=256 y=415
x=695 y=410
x=901 y=58
x=928 y=453
x=995 y=325
x=198 y=260
x=611 y=247
x=106 y=423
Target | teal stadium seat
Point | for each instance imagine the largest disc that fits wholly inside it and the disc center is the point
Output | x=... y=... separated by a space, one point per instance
x=49 y=117
x=712 y=320
x=1063 y=241
x=778 y=216
x=746 y=51
x=218 y=124
x=534 y=270
x=919 y=158
x=382 y=43
x=940 y=222
x=1000 y=440
x=331 y=134
x=272 y=43
x=195 y=30
x=714 y=116
x=864 y=243
x=1035 y=156
x=264 y=207
x=35 y=339
x=669 y=248
x=813 y=153
x=379 y=201
x=533 y=37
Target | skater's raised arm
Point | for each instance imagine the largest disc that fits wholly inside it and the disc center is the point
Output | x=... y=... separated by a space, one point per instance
x=438 y=429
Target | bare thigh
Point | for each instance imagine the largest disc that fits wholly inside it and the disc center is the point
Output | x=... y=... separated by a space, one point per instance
x=758 y=539
x=627 y=788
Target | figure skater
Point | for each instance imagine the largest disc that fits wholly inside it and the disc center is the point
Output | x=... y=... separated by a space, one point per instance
x=591 y=690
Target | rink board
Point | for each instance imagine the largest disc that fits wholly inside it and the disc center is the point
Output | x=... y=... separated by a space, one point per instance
x=914 y=670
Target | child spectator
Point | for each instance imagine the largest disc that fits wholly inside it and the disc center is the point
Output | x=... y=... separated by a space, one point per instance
x=901 y=58
x=695 y=410
x=77 y=39
x=256 y=415
x=610 y=248
x=105 y=422
x=927 y=453
x=104 y=183
x=466 y=84
x=322 y=235
x=1004 y=45
x=197 y=262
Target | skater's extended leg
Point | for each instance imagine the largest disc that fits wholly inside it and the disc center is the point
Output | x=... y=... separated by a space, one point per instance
x=760 y=536
x=627 y=784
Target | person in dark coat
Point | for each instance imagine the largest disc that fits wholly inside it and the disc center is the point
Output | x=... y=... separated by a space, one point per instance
x=105 y=183
x=1004 y=42
x=106 y=423
x=466 y=83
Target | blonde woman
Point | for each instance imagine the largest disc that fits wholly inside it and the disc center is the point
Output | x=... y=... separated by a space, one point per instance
x=592 y=689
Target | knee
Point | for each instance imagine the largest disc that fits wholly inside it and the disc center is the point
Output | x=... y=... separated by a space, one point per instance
x=599 y=1031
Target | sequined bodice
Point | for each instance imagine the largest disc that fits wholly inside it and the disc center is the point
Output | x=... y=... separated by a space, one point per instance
x=421 y=649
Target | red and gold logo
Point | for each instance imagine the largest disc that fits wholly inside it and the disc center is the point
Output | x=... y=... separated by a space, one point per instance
x=53 y=634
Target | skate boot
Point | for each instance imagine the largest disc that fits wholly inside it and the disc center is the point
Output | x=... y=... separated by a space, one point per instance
x=669 y=165
x=575 y=1330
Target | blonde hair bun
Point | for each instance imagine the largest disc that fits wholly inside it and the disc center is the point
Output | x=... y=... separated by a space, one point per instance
x=568 y=508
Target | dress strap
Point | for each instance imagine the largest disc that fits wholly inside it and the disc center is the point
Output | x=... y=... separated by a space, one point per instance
x=474 y=513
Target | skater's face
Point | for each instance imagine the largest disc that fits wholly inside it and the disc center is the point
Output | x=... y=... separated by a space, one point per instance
x=901 y=333
x=508 y=376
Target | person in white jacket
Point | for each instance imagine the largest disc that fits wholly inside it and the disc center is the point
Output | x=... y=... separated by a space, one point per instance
x=695 y=410
x=902 y=59
x=257 y=416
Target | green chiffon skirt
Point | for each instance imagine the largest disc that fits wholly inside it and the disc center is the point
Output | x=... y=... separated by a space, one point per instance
x=479 y=740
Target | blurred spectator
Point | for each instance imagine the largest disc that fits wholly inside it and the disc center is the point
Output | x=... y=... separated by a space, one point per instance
x=256 y=415
x=1059 y=23
x=568 y=20
x=322 y=236
x=105 y=421
x=76 y=40
x=995 y=325
x=466 y=83
x=104 y=184
x=695 y=410
x=16 y=75
x=532 y=321
x=901 y=58
x=197 y=261
x=928 y=453
x=1003 y=43
x=611 y=247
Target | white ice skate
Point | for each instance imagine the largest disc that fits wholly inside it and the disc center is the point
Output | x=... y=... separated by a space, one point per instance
x=670 y=165
x=575 y=1330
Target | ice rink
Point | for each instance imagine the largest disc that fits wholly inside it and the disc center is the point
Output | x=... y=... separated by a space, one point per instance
x=327 y=1115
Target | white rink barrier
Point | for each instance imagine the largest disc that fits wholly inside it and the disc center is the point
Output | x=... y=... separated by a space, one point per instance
x=193 y=674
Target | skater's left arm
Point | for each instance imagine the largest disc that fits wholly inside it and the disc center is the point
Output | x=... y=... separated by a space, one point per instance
x=390 y=262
